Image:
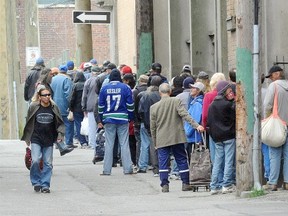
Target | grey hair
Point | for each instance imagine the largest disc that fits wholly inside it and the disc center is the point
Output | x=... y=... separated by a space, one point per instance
x=165 y=88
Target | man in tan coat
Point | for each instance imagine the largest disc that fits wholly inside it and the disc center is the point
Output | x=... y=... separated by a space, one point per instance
x=167 y=131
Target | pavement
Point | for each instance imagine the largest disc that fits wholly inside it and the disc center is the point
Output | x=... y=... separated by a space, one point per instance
x=78 y=189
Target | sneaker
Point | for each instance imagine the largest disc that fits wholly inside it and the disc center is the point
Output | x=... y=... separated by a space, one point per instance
x=65 y=151
x=165 y=188
x=45 y=190
x=84 y=146
x=215 y=191
x=228 y=189
x=187 y=187
x=156 y=174
x=130 y=173
x=141 y=171
x=270 y=187
x=174 y=177
x=105 y=174
x=97 y=159
x=37 y=188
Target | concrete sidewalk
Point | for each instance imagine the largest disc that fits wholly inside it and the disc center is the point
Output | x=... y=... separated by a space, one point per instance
x=78 y=189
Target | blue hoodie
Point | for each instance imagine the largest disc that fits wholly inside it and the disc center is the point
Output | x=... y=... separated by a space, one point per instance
x=195 y=111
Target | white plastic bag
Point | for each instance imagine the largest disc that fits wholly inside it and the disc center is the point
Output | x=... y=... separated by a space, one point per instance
x=84 y=126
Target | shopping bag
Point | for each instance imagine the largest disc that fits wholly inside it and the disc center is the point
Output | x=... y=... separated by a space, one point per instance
x=273 y=128
x=84 y=126
x=28 y=159
x=70 y=116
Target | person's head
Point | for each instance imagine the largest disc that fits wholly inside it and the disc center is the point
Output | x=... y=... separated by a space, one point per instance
x=95 y=70
x=126 y=70
x=46 y=76
x=70 y=65
x=79 y=77
x=110 y=67
x=216 y=77
x=63 y=69
x=224 y=88
x=129 y=80
x=165 y=89
x=115 y=75
x=187 y=81
x=93 y=62
x=186 y=69
x=87 y=66
x=54 y=71
x=155 y=81
x=275 y=73
x=40 y=62
x=178 y=82
x=232 y=75
x=197 y=89
x=143 y=79
x=156 y=67
x=203 y=75
x=43 y=95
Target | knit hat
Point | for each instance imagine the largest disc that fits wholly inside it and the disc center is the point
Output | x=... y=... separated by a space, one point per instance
x=126 y=70
x=39 y=61
x=95 y=69
x=70 y=65
x=187 y=81
x=222 y=86
x=203 y=75
x=63 y=68
x=115 y=75
x=93 y=61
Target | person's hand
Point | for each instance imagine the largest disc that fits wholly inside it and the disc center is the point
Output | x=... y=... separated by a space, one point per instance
x=28 y=143
x=200 y=128
x=59 y=140
x=100 y=125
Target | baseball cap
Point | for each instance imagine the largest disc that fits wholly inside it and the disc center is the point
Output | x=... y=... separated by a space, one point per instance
x=156 y=66
x=126 y=70
x=273 y=69
x=198 y=85
x=186 y=68
x=203 y=75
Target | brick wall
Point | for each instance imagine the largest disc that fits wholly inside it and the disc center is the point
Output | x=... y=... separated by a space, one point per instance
x=58 y=36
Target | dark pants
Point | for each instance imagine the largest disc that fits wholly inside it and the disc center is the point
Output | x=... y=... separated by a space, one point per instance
x=180 y=155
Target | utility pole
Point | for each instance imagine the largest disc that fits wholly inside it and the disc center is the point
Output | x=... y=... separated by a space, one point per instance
x=244 y=101
x=84 y=33
x=144 y=31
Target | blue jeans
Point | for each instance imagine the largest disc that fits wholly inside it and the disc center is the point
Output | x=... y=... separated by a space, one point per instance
x=276 y=155
x=145 y=148
x=69 y=131
x=266 y=160
x=180 y=155
x=212 y=158
x=38 y=177
x=78 y=118
x=122 y=131
x=224 y=152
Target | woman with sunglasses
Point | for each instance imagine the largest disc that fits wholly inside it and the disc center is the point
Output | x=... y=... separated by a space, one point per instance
x=44 y=126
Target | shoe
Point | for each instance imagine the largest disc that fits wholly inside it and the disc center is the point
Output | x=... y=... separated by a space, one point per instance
x=285 y=186
x=215 y=191
x=174 y=177
x=105 y=174
x=97 y=159
x=141 y=171
x=130 y=173
x=114 y=165
x=187 y=187
x=270 y=187
x=84 y=146
x=165 y=188
x=65 y=151
x=156 y=174
x=37 y=188
x=45 y=190
x=228 y=189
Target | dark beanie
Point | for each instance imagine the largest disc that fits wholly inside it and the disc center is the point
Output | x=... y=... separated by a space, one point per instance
x=187 y=81
x=222 y=86
x=115 y=75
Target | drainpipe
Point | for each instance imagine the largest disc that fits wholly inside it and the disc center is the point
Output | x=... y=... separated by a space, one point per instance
x=256 y=141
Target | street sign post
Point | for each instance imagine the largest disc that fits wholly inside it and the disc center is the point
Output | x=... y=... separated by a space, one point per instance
x=90 y=17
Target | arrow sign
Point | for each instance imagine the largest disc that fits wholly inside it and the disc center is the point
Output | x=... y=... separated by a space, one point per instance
x=88 y=17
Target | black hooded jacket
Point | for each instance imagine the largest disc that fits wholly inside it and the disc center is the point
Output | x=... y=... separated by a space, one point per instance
x=77 y=91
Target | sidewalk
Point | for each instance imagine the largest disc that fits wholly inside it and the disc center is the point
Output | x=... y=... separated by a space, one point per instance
x=78 y=189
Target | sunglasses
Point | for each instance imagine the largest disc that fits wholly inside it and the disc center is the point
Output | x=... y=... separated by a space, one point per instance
x=45 y=95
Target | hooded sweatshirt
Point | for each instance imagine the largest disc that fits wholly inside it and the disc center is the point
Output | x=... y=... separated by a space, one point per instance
x=282 y=89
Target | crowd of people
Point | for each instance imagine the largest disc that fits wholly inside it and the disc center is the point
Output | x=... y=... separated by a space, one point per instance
x=150 y=123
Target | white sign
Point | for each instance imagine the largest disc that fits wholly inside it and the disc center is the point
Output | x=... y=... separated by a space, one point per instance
x=32 y=53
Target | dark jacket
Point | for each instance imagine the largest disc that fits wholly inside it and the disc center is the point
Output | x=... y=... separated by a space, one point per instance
x=30 y=121
x=137 y=93
x=221 y=119
x=77 y=91
x=30 y=82
x=148 y=98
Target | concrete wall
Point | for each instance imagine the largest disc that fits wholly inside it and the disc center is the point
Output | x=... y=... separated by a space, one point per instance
x=126 y=33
